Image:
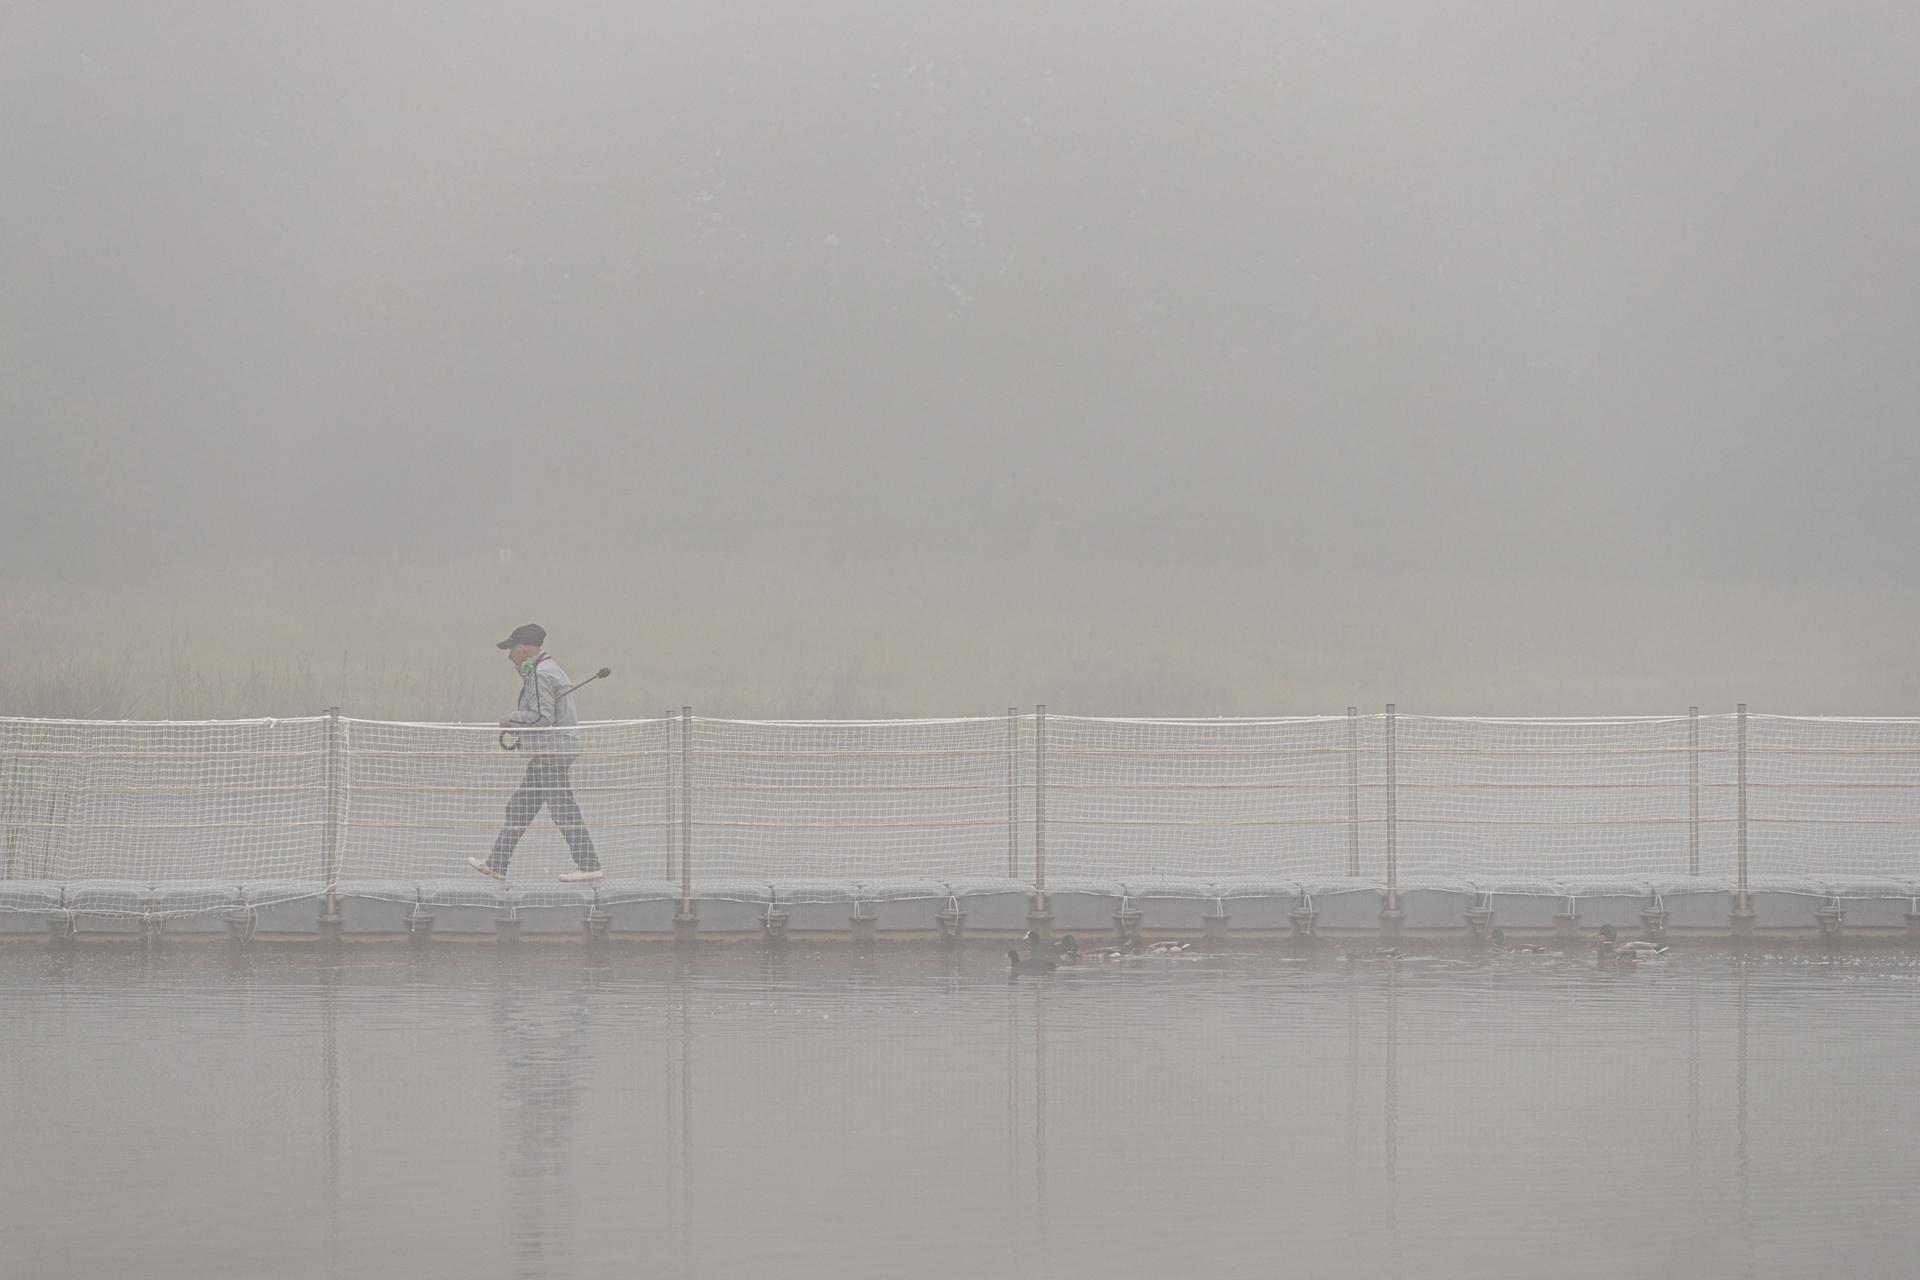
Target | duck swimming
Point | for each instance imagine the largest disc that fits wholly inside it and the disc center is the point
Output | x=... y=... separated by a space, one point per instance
x=1135 y=945
x=1499 y=938
x=1068 y=950
x=1610 y=941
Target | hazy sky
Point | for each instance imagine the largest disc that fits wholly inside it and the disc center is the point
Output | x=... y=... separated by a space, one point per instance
x=1628 y=290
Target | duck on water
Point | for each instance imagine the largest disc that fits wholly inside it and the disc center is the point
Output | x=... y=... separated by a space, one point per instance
x=1350 y=952
x=1067 y=950
x=1614 y=951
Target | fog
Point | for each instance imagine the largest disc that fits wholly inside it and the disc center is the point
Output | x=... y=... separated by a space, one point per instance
x=875 y=358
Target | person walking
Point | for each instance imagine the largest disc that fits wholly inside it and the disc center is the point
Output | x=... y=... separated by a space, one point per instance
x=548 y=726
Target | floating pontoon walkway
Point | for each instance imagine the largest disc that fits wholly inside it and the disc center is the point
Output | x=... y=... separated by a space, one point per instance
x=1250 y=911
x=987 y=826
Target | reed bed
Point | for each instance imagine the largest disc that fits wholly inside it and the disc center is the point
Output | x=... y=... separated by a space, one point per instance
x=411 y=639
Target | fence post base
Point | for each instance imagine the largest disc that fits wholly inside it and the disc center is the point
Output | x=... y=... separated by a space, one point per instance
x=686 y=925
x=1040 y=925
x=952 y=921
x=62 y=927
x=1480 y=920
x=1215 y=925
x=506 y=928
x=596 y=924
x=1741 y=920
x=1126 y=918
x=862 y=922
x=1654 y=920
x=1566 y=924
x=1392 y=918
x=329 y=926
x=1913 y=926
x=1830 y=917
x=1302 y=915
x=239 y=923
x=775 y=923
x=419 y=922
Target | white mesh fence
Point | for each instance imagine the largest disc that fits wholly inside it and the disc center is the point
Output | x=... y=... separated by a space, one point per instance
x=859 y=800
x=118 y=808
x=418 y=800
x=1143 y=799
x=1831 y=796
x=121 y=806
x=1552 y=798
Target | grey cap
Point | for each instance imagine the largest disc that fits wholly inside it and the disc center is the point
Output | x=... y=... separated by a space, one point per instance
x=527 y=633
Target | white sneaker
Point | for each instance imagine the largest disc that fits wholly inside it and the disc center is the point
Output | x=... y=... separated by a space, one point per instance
x=480 y=865
x=576 y=877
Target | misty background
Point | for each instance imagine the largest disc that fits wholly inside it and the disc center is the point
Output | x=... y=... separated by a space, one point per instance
x=901 y=359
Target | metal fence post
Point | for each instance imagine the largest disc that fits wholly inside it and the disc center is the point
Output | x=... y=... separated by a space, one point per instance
x=1353 y=791
x=1742 y=904
x=1391 y=915
x=686 y=921
x=1040 y=919
x=1693 y=791
x=673 y=822
x=1013 y=793
x=330 y=829
x=1742 y=812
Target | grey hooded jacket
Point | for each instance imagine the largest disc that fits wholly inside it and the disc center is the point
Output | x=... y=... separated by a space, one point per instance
x=545 y=705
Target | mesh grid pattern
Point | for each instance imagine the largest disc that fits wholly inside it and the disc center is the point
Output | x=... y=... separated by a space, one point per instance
x=1831 y=796
x=163 y=802
x=419 y=799
x=124 y=807
x=854 y=800
x=1564 y=797
x=1210 y=798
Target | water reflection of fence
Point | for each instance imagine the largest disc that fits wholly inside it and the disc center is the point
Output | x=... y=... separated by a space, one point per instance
x=1039 y=797
x=753 y=1105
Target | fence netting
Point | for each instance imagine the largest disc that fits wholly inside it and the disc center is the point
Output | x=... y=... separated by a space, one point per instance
x=142 y=800
x=1020 y=797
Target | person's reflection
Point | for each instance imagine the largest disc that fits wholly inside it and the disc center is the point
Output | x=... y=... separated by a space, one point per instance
x=1019 y=1194
x=679 y=1045
x=540 y=1036
x=1355 y=1210
x=1040 y=1217
x=329 y=976
x=1013 y=1112
x=1693 y=1096
x=1392 y=1118
x=1742 y=1166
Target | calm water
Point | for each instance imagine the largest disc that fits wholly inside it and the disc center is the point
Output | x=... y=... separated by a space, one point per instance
x=466 y=1112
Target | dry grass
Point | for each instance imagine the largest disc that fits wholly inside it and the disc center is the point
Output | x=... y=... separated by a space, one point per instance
x=404 y=639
